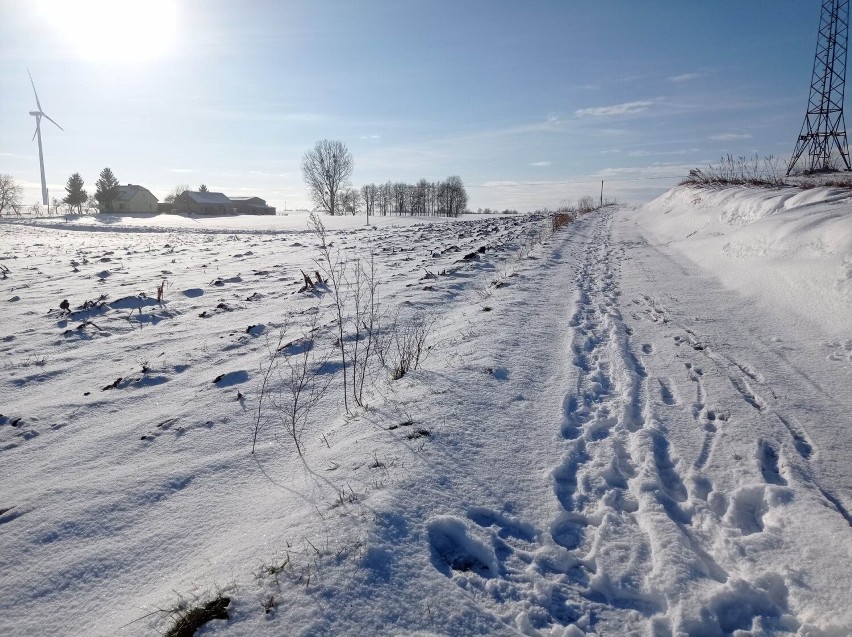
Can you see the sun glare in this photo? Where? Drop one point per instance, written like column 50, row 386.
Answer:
column 115, row 31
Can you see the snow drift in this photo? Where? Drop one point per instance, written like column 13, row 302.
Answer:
column 787, row 248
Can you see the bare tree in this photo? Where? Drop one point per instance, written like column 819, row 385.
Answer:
column 176, row 192
column 400, row 197
column 369, row 194
column 456, row 196
column 419, row 195
column 11, row 193
column 92, row 204
column 350, row 201
column 385, row 198
column 326, row 169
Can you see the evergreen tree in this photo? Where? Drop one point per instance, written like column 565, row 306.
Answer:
column 76, row 195
column 202, row 188
column 107, row 189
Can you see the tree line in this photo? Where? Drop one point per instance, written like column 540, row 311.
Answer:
column 447, row 198
column 327, row 169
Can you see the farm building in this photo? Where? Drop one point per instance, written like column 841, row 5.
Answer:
column 204, row 203
column 132, row 198
column 252, row 206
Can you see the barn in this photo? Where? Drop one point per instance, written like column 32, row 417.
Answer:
column 204, row 203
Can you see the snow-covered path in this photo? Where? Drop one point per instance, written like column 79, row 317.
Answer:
column 688, row 485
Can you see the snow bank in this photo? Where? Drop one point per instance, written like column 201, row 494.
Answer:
column 787, row 248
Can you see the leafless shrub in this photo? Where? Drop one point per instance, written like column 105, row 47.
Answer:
column 301, row 384
column 741, row 170
column 333, row 266
column 292, row 383
column 560, row 219
column 587, row 204
column 838, row 183
column 403, row 345
column 366, row 325
column 266, row 370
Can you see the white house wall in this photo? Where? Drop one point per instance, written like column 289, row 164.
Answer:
column 141, row 201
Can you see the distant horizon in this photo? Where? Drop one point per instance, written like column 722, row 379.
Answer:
column 529, row 104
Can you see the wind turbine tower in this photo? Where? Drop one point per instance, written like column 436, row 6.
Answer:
column 38, row 115
column 824, row 129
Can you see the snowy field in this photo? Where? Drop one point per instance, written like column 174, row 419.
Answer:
column 636, row 424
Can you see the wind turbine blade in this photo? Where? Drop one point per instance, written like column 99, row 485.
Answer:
column 34, row 91
column 35, row 133
column 57, row 125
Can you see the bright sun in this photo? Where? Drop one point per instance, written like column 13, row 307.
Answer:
column 115, row 30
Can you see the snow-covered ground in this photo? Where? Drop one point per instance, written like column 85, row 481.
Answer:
column 639, row 424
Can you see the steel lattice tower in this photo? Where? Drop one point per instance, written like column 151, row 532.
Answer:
column 824, row 129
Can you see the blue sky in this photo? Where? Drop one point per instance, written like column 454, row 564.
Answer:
column 530, row 102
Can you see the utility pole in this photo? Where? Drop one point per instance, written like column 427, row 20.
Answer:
column 824, row 128
column 601, row 193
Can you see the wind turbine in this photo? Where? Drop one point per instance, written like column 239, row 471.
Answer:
column 38, row 115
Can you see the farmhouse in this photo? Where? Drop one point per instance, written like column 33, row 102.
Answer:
column 204, row 203
column 252, row 206
column 132, row 198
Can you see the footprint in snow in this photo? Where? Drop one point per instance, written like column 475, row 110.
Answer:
column 667, row 394
column 749, row 505
column 453, row 549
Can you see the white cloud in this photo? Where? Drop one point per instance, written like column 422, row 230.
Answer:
column 627, row 108
column 685, row 77
column 727, row 137
column 540, row 163
column 370, row 137
column 504, row 183
column 656, row 170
